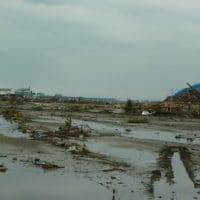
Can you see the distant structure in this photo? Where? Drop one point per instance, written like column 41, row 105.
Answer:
column 87, row 99
column 24, row 92
column 5, row 91
column 27, row 93
column 103, row 100
column 39, row 95
column 186, row 101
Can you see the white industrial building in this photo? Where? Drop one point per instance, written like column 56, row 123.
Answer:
column 5, row 91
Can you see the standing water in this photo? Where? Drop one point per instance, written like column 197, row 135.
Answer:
column 9, row 129
column 183, row 187
column 22, row 183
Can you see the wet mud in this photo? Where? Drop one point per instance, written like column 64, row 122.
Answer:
column 114, row 159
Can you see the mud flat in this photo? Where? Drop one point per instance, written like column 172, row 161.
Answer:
column 118, row 149
column 114, row 160
column 176, row 136
column 23, row 179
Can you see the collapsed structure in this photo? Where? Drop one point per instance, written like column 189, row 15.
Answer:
column 185, row 101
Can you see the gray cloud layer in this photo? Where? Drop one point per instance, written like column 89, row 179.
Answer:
column 129, row 48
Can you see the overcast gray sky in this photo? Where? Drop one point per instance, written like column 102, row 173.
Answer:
column 140, row 49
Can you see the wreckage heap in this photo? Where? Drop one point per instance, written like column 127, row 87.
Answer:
column 186, row 103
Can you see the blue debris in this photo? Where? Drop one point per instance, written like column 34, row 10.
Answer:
column 39, row 136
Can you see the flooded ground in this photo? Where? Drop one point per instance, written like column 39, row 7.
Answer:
column 115, row 160
column 181, row 187
column 129, row 154
column 22, row 183
column 126, row 130
column 10, row 129
column 139, row 133
column 163, row 136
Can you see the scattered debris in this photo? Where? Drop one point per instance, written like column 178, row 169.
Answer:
column 11, row 113
column 46, row 165
column 3, row 168
column 138, row 120
column 60, row 142
column 71, row 131
column 3, row 156
column 155, row 176
column 78, row 150
column 178, row 137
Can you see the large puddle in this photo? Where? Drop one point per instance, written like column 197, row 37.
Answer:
column 22, row 183
column 100, row 127
column 125, row 131
column 165, row 136
column 10, row 129
column 138, row 133
column 129, row 155
column 181, row 189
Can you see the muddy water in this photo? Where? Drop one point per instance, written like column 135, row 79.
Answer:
column 22, row 183
column 126, row 131
column 9, row 129
column 100, row 127
column 139, row 133
column 183, row 187
column 162, row 136
column 130, row 155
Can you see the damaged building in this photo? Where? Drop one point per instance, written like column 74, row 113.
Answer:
column 185, row 101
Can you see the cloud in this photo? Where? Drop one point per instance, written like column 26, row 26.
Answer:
column 47, row 2
column 112, row 21
column 107, row 46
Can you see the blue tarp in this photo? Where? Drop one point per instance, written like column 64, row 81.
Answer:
column 184, row 90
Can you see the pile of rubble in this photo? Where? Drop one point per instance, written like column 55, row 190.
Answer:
column 74, row 148
column 185, row 104
column 188, row 97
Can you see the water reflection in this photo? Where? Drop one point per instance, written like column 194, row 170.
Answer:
column 10, row 129
column 20, row 183
column 139, row 133
column 183, row 187
column 129, row 155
